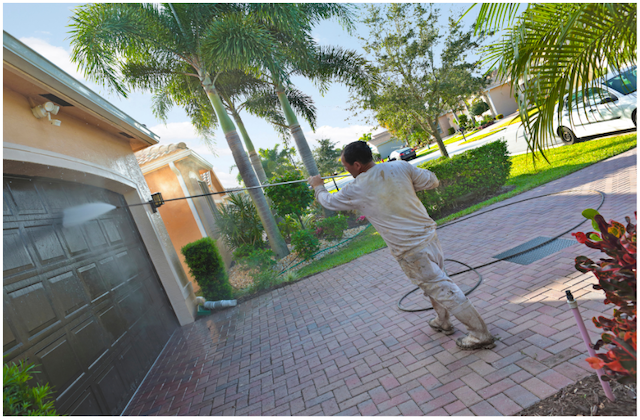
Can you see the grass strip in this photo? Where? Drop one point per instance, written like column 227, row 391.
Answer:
column 525, row 175
column 481, row 136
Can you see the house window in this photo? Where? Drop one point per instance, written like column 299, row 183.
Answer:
column 439, row 128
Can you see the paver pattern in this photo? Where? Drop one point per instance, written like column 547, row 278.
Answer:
column 336, row 344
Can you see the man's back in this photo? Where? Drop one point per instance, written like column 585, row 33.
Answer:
column 386, row 195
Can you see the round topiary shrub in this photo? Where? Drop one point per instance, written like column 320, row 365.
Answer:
column 207, row 267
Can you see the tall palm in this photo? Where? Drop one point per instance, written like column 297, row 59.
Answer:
column 240, row 91
column 554, row 50
column 156, row 47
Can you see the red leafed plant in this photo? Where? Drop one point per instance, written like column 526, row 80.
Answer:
column 617, row 278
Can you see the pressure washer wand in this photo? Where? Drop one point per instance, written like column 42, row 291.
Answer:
column 157, row 200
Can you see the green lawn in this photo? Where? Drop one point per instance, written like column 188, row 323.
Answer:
column 525, row 175
column 481, row 136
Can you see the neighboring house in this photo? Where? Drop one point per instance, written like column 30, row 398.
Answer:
column 93, row 305
column 385, row 143
column 499, row 97
column 177, row 171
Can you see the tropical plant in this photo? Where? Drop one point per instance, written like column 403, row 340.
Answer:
column 617, row 278
column 327, row 157
column 551, row 51
column 413, row 89
column 291, row 199
column 305, row 243
column 258, row 259
column 177, row 50
column 288, row 226
column 238, row 222
column 277, row 162
column 21, row 399
column 207, row 268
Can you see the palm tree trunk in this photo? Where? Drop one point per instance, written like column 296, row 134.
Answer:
column 278, row 245
column 298, row 136
column 296, row 132
column 253, row 155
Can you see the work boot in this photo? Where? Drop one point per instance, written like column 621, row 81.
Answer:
column 479, row 336
column 441, row 322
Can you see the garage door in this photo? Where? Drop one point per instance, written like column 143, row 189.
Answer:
column 84, row 303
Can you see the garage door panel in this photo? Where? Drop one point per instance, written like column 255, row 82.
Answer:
column 48, row 248
column 86, row 405
column 59, row 364
column 16, row 257
column 25, row 196
column 73, row 240
column 88, row 340
column 113, row 390
column 69, row 293
column 94, row 235
column 92, row 280
column 84, row 302
column 33, row 308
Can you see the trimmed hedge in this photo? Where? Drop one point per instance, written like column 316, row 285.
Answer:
column 451, row 130
column 466, row 177
column 207, row 267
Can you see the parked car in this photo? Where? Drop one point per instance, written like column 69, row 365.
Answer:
column 405, row 154
column 609, row 105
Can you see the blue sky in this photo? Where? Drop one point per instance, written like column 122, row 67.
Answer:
column 44, row 28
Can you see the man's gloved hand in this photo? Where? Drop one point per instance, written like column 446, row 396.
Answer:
column 314, row 181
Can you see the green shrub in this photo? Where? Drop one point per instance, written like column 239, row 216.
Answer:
column 466, row 177
column 239, row 223
column 20, row 399
column 499, row 117
column 305, row 243
column 288, row 226
column 451, row 130
column 290, row 199
column 258, row 259
column 265, row 279
column 333, row 227
column 242, row 251
column 207, row 267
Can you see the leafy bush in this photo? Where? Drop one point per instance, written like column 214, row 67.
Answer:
column 259, row 259
column 242, row 251
column 207, row 267
column 238, row 222
column 305, row 243
column 466, row 177
column 288, row 226
column 20, row 399
column 264, row 279
column 463, row 120
column 617, row 278
column 499, row 117
column 333, row 227
column 479, row 107
column 451, row 130
column 291, row 199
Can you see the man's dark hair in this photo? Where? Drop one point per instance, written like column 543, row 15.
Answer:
column 358, row 151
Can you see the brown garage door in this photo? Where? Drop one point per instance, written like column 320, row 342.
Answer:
column 84, row 302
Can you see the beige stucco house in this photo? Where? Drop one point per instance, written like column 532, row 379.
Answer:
column 177, row 171
column 93, row 305
column 385, row 143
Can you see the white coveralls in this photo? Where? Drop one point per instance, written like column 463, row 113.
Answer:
column 386, row 195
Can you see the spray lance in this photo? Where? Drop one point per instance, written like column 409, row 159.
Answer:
column 77, row 215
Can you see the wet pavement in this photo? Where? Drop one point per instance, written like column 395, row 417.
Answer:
column 336, row 344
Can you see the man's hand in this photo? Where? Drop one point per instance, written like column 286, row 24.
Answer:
column 314, row 181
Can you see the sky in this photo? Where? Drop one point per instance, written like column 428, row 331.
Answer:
column 44, row 28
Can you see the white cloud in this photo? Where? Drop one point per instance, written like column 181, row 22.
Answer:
column 340, row 135
column 57, row 55
column 177, row 132
column 228, row 180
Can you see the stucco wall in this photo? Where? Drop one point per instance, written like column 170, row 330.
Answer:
column 502, row 101
column 81, row 152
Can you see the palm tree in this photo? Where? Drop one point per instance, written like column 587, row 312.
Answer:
column 260, row 100
column 155, row 47
column 551, row 51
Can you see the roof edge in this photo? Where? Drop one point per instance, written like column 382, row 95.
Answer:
column 27, row 60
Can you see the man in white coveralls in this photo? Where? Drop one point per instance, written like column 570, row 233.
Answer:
column 386, row 195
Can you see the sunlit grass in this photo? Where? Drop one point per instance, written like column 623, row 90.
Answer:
column 481, row 136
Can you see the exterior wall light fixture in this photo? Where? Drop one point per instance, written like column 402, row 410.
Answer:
column 46, row 110
column 156, row 201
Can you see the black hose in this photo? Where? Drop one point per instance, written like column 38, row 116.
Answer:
column 474, row 269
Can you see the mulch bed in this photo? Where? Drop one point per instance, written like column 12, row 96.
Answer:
column 586, row 398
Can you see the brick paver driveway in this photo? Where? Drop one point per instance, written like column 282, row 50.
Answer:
column 335, row 343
